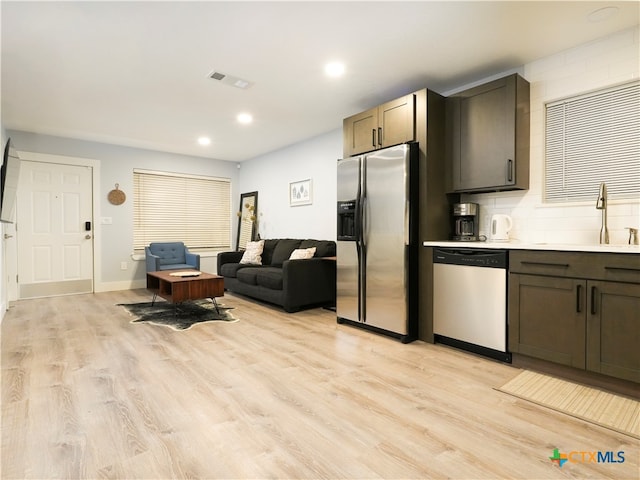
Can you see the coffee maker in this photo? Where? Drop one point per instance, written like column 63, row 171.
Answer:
column 465, row 222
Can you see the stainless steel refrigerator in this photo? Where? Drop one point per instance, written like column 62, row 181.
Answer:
column 377, row 241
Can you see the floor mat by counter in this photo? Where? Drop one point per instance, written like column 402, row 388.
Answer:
column 608, row 410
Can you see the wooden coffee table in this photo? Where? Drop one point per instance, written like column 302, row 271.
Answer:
column 178, row 289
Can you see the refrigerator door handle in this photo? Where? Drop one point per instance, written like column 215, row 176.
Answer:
column 363, row 224
column 363, row 258
column 407, row 209
column 363, row 235
column 363, row 262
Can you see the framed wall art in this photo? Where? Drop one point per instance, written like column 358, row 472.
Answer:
column 300, row 193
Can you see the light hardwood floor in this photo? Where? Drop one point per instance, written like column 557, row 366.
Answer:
column 87, row 394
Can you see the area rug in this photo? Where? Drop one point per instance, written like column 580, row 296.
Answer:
column 602, row 408
column 179, row 317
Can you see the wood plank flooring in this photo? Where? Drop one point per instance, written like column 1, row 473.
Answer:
column 87, row 394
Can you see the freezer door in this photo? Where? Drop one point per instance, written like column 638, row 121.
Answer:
column 348, row 286
column 385, row 201
column 349, row 178
column 347, row 282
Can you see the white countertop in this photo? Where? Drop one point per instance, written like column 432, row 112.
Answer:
column 516, row 245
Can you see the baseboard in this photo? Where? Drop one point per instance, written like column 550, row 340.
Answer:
column 116, row 286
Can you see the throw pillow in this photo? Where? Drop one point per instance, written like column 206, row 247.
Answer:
column 324, row 248
column 302, row 253
column 253, row 253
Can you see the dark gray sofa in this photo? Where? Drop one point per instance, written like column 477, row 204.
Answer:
column 292, row 284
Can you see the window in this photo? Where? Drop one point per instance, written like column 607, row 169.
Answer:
column 591, row 139
column 171, row 207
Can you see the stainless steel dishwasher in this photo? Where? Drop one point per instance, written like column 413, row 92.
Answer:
column 470, row 300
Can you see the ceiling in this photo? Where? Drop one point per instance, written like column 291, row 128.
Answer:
column 137, row 73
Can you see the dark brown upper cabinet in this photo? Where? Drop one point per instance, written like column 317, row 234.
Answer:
column 488, row 137
column 391, row 123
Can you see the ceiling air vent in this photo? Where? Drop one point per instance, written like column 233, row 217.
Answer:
column 230, row 80
column 217, row 75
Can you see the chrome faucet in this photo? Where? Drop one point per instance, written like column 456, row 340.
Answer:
column 601, row 204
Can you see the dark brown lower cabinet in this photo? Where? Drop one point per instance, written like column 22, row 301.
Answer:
column 586, row 324
column 544, row 321
column 613, row 329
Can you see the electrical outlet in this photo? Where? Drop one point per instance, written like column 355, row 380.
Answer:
column 123, row 265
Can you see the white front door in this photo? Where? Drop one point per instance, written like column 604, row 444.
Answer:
column 55, row 230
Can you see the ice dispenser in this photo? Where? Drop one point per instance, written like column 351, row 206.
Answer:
column 347, row 220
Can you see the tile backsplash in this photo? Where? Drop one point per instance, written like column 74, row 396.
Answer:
column 536, row 222
column 609, row 61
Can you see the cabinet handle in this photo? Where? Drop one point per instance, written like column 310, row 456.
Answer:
column 373, row 137
column 578, row 298
column 594, row 291
column 629, row 269
column 545, row 264
column 509, row 170
column 380, row 136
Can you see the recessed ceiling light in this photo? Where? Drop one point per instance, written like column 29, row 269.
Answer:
column 334, row 69
column 241, row 83
column 602, row 14
column 245, row 118
column 204, row 141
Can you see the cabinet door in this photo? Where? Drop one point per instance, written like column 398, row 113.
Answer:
column 360, row 133
column 397, row 122
column 613, row 329
column 547, row 318
column 487, row 138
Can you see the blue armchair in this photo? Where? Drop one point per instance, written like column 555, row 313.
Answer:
column 170, row 256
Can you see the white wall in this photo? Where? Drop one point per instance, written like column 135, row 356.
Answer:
column 609, row 61
column 271, row 174
column 116, row 166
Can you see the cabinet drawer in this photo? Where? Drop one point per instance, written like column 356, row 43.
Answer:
column 619, row 267
column 557, row 264
column 598, row 266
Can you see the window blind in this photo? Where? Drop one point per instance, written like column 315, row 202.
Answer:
column 591, row 139
column 171, row 207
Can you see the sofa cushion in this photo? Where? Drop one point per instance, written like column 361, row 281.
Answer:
column 302, row 253
column 324, row 248
column 169, row 252
column 253, row 253
column 248, row 275
column 267, row 252
column 176, row 266
column 283, row 251
column 231, row 269
column 270, row 277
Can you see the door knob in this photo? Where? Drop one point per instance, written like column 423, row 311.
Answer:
column 7, row 236
column 87, row 236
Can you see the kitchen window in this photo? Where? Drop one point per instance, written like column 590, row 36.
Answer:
column 171, row 207
column 590, row 139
